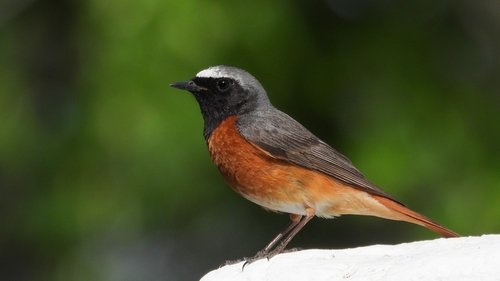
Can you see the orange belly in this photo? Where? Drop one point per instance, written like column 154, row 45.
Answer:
column 277, row 184
column 253, row 174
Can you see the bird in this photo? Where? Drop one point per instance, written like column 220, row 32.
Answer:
column 272, row 160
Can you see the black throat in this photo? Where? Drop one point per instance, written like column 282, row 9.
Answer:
column 217, row 105
column 213, row 117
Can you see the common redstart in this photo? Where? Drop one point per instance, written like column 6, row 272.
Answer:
column 272, row 160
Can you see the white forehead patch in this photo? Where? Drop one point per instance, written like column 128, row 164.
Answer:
column 222, row 72
column 212, row 72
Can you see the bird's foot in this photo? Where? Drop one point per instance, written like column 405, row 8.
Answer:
column 230, row 262
column 267, row 255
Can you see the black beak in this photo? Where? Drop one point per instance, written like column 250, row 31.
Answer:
column 188, row 86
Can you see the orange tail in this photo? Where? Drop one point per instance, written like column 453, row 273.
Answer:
column 414, row 217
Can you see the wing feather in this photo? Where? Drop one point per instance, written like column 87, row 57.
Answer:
column 284, row 138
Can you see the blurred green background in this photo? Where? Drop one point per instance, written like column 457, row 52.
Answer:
column 104, row 173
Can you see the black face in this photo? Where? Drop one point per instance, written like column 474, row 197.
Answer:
column 213, row 92
column 218, row 98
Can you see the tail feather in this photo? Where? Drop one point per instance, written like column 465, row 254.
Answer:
column 416, row 218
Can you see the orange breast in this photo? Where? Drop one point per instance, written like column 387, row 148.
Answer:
column 279, row 185
column 253, row 173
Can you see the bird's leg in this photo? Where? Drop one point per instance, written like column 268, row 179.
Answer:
column 285, row 236
column 278, row 249
column 294, row 221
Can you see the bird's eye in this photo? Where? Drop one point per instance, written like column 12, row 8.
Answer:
column 223, row 84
